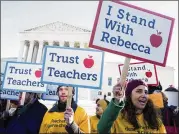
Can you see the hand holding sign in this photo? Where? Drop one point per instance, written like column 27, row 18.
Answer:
column 118, row 90
column 118, row 93
column 68, row 115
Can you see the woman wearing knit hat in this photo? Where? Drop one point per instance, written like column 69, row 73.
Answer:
column 101, row 106
column 133, row 114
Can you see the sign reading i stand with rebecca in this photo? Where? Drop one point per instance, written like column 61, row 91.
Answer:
column 132, row 32
column 141, row 70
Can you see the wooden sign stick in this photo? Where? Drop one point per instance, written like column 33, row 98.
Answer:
column 8, row 105
column 69, row 98
column 124, row 71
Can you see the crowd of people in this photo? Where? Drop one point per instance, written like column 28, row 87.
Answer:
column 129, row 111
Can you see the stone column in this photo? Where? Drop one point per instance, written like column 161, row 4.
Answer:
column 44, row 44
column 29, row 57
column 21, row 50
column 26, row 51
column 35, row 51
column 39, row 54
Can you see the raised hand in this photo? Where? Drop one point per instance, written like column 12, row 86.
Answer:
column 118, row 92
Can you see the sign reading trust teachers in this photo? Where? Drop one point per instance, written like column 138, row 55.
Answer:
column 23, row 76
column 133, row 32
column 73, row 67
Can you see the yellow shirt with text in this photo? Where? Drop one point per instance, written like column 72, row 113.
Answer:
column 53, row 122
column 123, row 126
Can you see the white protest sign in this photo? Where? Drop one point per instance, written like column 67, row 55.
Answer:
column 141, row 70
column 8, row 94
column 172, row 98
column 73, row 67
column 51, row 93
column 24, row 77
column 133, row 32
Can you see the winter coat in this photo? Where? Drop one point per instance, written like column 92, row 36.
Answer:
column 112, row 122
column 27, row 120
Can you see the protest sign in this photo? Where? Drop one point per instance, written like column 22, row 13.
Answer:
column 142, row 70
column 73, row 67
column 131, row 31
column 8, row 94
column 172, row 98
column 23, row 76
column 51, row 93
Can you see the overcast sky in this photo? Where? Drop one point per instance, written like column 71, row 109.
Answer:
column 17, row 16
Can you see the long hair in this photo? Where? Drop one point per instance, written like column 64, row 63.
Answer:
column 152, row 115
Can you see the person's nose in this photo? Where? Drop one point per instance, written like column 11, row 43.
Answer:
column 144, row 94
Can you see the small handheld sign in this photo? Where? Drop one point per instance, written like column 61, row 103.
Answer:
column 74, row 67
column 24, row 77
column 51, row 93
column 141, row 70
column 8, row 94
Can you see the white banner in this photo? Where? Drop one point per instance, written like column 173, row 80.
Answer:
column 172, row 98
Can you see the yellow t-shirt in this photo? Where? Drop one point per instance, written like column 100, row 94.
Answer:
column 93, row 123
column 123, row 126
column 54, row 122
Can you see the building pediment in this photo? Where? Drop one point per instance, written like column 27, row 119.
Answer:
column 57, row 27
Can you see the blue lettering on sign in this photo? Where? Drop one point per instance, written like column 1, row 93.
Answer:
column 20, row 71
column 122, row 14
column 9, row 92
column 121, row 43
column 51, row 92
column 126, row 29
column 64, row 59
column 71, row 74
column 54, row 57
column 117, row 26
column 26, row 82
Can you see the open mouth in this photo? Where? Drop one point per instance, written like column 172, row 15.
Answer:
column 142, row 102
